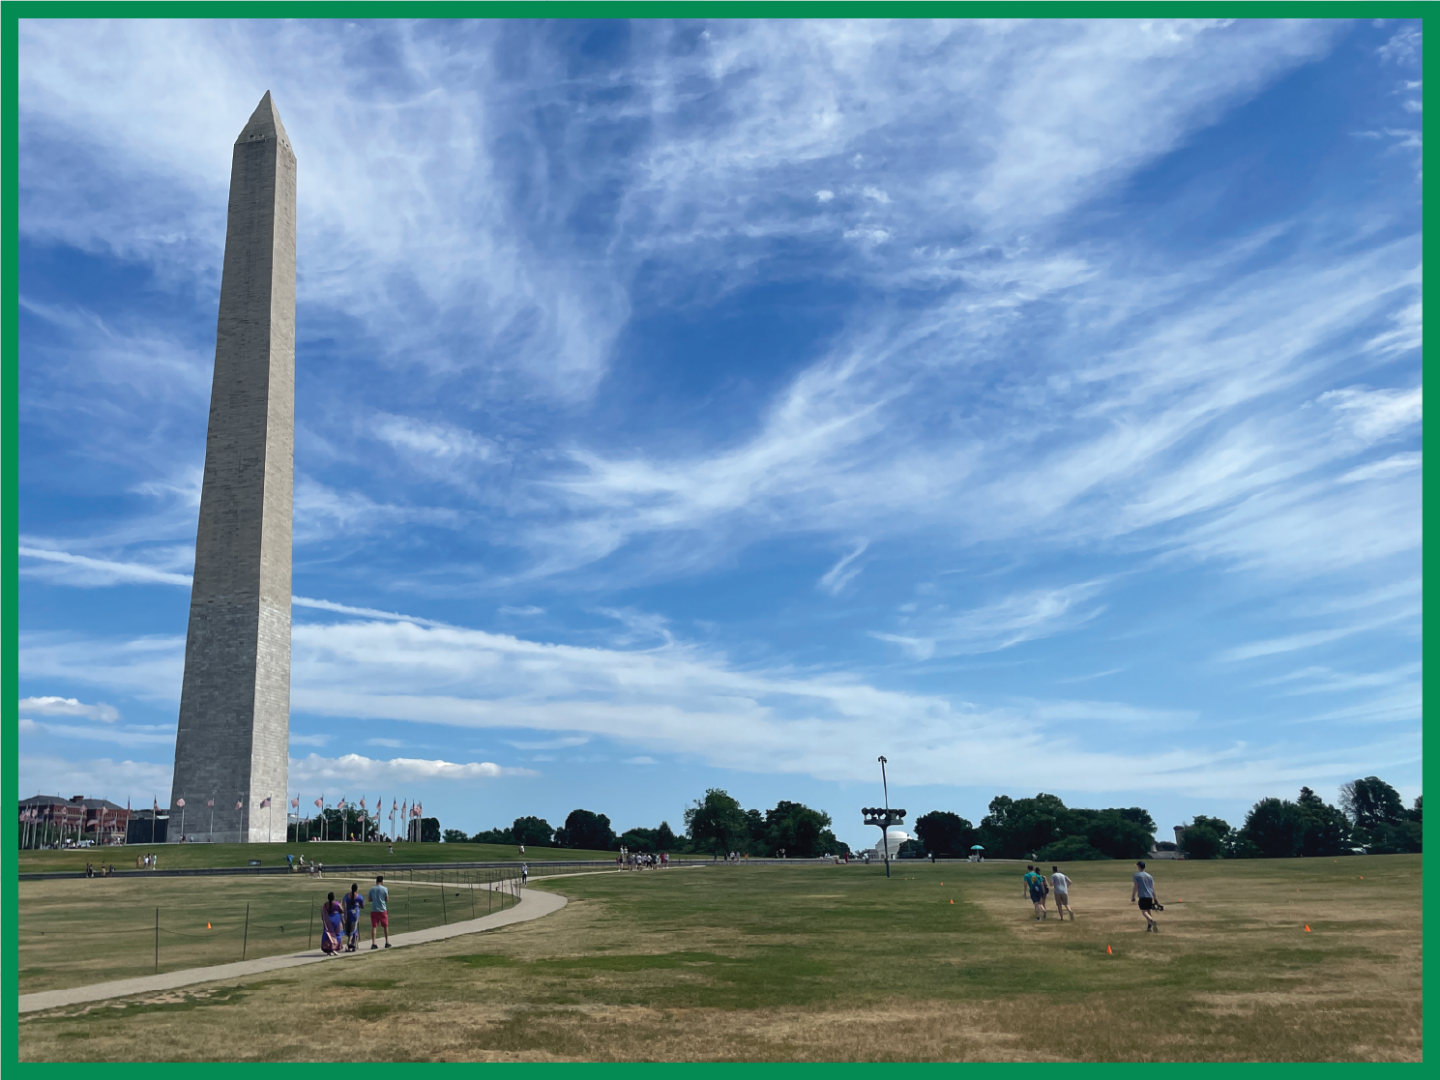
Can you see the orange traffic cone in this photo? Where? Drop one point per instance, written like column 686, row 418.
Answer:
column 1109, row 950
column 952, row 901
column 1307, row 928
column 207, row 926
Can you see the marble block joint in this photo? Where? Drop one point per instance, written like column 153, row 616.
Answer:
column 234, row 734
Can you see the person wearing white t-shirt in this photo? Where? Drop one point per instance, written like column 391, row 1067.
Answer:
column 1060, row 886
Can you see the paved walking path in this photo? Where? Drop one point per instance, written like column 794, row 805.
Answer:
column 534, row 904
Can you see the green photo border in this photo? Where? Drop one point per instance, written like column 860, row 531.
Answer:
column 10, row 16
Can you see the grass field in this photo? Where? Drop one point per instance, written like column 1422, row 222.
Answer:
column 76, row 932
column 825, row 963
column 204, row 856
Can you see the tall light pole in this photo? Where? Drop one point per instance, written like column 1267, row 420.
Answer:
column 884, row 817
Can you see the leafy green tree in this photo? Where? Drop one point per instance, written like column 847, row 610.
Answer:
column 797, row 830
column 1370, row 803
column 1219, row 826
column 1116, row 833
column 1205, row 838
column 1415, row 813
column 717, row 823
column 637, row 840
column 665, row 838
column 1275, row 827
column 587, row 830
column 756, row 840
column 944, row 833
column 1015, row 828
column 1070, row 849
column 456, row 836
column 1326, row 831
column 430, row 830
column 1201, row 842
column 532, row 832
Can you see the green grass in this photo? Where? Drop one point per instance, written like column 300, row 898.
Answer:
column 822, row 963
column 76, row 932
column 206, row 856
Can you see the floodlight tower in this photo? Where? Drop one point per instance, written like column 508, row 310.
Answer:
column 884, row 816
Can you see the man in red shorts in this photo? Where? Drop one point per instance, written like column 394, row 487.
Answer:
column 379, row 897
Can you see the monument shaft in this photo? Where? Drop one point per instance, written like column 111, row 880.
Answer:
column 232, row 745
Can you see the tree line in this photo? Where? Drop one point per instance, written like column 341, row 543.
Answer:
column 715, row 824
column 1371, row 817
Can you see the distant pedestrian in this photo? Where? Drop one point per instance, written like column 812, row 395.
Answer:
column 1061, row 884
column 379, row 911
column 1035, row 889
column 354, row 903
column 1143, row 890
column 524, row 874
column 392, row 849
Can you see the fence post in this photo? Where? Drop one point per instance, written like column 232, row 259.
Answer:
column 157, row 939
column 310, row 937
column 472, row 899
column 245, row 941
column 444, row 918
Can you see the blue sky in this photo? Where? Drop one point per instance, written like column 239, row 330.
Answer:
column 726, row 404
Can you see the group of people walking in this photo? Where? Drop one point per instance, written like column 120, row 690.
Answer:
column 642, row 860
column 1039, row 890
column 341, row 929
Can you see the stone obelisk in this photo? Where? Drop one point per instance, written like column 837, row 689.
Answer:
column 233, row 741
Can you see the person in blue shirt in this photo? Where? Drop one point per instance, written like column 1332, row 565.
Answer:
column 1035, row 889
column 379, row 913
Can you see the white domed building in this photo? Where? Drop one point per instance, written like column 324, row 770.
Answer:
column 895, row 837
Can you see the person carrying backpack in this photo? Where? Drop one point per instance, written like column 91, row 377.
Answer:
column 1035, row 888
column 332, row 914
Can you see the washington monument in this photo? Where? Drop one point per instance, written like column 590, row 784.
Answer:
column 232, row 747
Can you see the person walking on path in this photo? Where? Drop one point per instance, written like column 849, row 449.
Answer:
column 332, row 914
column 354, row 904
column 379, row 912
column 524, row 874
column 1143, row 890
column 1035, row 889
column 1061, row 885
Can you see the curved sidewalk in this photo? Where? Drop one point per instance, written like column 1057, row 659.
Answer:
column 533, row 905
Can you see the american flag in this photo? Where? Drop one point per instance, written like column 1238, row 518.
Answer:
column 319, row 802
column 179, row 802
column 238, row 803
column 263, row 803
column 295, row 803
column 210, row 802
